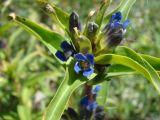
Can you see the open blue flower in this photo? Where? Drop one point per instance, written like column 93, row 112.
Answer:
column 115, row 21
column 89, row 105
column 68, row 51
column 84, row 64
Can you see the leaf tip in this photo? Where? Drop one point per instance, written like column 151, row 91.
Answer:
column 12, row 16
column 46, row 6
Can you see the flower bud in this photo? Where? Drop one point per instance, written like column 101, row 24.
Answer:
column 99, row 113
column 92, row 31
column 114, row 36
column 114, row 31
column 74, row 22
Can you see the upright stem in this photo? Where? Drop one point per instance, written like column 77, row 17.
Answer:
column 60, row 100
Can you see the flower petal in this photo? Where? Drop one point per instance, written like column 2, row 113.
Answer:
column 84, row 101
column 96, row 89
column 92, row 106
column 118, row 16
column 88, row 72
column 61, row 56
column 90, row 58
column 125, row 24
column 77, row 68
column 66, row 46
column 80, row 56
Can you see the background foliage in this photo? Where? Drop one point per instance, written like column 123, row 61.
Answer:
column 29, row 76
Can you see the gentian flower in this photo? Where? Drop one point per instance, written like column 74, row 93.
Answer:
column 115, row 21
column 68, row 51
column 90, row 104
column 84, row 64
column 96, row 89
column 114, row 31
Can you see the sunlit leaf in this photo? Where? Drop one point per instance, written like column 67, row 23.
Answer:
column 153, row 61
column 126, row 61
column 100, row 13
column 57, row 105
column 58, row 15
column 103, row 94
column 51, row 39
column 155, row 79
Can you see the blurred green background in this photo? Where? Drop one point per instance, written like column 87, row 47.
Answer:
column 29, row 74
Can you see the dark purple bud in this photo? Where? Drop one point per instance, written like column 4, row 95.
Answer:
column 92, row 30
column 72, row 113
column 99, row 113
column 114, row 31
column 74, row 22
column 114, row 36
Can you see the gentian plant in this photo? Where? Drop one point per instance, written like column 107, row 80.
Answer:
column 90, row 54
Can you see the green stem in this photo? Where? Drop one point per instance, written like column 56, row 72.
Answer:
column 60, row 100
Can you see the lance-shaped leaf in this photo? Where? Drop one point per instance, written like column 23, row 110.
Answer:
column 133, row 55
column 126, row 61
column 100, row 13
column 103, row 93
column 58, row 15
column 153, row 61
column 59, row 101
column 50, row 39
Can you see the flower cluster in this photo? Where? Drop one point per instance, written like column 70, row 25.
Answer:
column 88, row 108
column 88, row 101
column 81, row 49
column 88, row 104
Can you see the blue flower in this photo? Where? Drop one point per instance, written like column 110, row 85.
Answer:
column 84, row 64
column 115, row 21
column 89, row 105
column 114, row 31
column 96, row 89
column 68, row 51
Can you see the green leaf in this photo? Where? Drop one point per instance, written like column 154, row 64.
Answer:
column 121, row 68
column 153, row 61
column 58, row 15
column 23, row 112
column 115, row 74
column 84, row 43
column 125, row 7
column 126, row 61
column 5, row 27
column 22, row 63
column 102, row 95
column 51, row 39
column 59, row 101
column 100, row 13
column 35, row 78
column 155, row 79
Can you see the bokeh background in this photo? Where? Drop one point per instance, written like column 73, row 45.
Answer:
column 30, row 76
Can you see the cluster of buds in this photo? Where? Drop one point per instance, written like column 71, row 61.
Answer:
column 88, row 108
column 91, row 42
